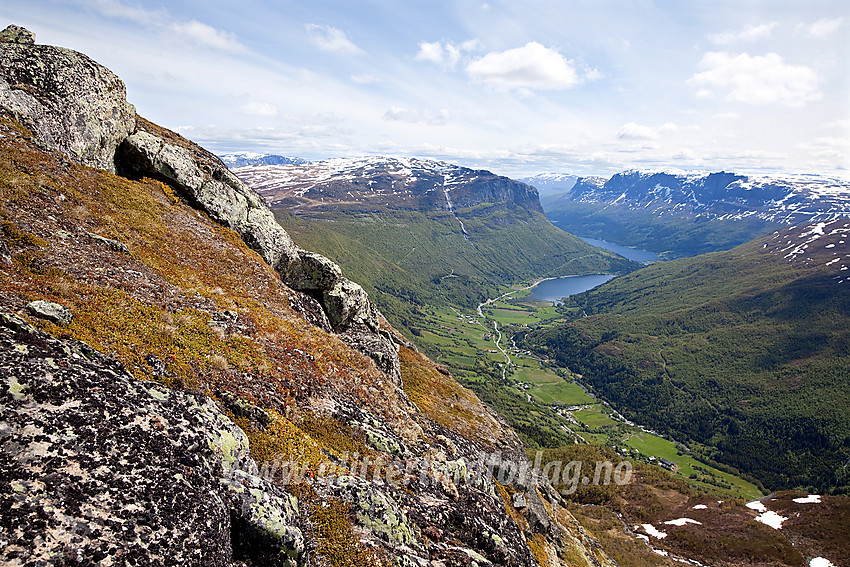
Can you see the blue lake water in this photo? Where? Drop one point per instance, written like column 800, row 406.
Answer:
column 634, row 254
column 558, row 288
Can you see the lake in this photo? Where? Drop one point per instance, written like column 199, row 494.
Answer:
column 634, row 254
column 558, row 288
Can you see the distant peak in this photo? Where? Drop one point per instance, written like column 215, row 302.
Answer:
column 251, row 158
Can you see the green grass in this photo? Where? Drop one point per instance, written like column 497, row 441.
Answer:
column 409, row 260
column 536, row 422
column 724, row 483
column 593, row 418
column 536, row 375
column 512, row 316
column 565, row 393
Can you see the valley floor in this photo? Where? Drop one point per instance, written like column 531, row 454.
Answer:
column 478, row 347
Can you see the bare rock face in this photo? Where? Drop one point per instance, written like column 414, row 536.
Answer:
column 97, row 464
column 69, row 102
column 205, row 181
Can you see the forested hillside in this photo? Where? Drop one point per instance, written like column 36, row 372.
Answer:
column 745, row 354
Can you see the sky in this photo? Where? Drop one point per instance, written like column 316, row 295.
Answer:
column 521, row 87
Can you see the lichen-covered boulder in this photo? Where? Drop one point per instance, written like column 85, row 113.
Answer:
column 69, row 102
column 207, row 183
column 377, row 511
column 99, row 467
column 50, row 311
column 17, row 34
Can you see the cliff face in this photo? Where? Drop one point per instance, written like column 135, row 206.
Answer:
column 182, row 385
column 379, row 183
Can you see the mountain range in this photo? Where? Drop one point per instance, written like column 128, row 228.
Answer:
column 688, row 213
column 251, row 158
column 419, row 232
column 551, row 185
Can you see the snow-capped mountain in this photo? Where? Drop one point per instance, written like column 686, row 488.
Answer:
column 781, row 199
column 551, row 183
column 249, row 158
column 817, row 244
column 379, row 182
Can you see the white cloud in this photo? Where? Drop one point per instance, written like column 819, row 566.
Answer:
column 365, row 79
column 258, row 109
column 194, row 31
column 842, row 123
column 532, row 66
column 749, row 33
column 399, row 114
column 435, row 52
column 756, row 79
column 445, row 54
column 668, row 127
column 207, row 36
column 635, row 131
column 115, row 9
column 329, row 38
column 822, row 27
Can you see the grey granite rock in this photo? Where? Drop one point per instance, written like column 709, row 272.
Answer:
column 50, row 311
column 17, row 34
column 5, row 254
column 68, row 102
column 96, row 464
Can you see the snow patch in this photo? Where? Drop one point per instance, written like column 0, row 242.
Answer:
column 700, row 507
column 820, row 562
column 757, row 505
column 772, row 519
column 682, row 522
column 810, row 499
column 650, row 529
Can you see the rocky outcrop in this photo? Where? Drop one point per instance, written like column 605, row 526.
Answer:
column 69, row 102
column 96, row 464
column 17, row 34
column 203, row 180
column 78, row 107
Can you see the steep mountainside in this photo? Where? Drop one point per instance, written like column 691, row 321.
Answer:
column 418, row 232
column 182, row 385
column 684, row 214
column 744, row 353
